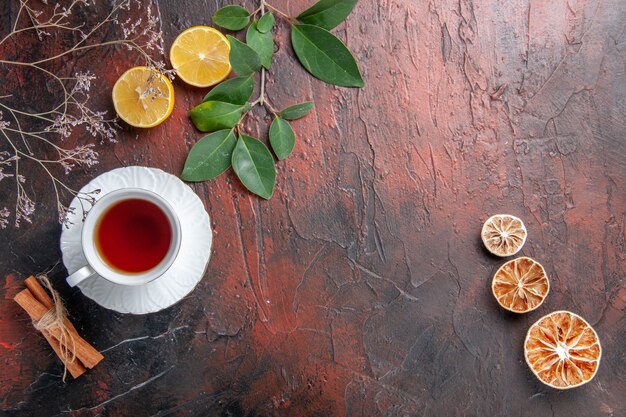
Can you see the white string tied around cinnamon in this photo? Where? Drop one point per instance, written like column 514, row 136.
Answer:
column 56, row 317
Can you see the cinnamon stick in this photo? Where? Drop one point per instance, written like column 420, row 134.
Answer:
column 40, row 293
column 75, row 368
column 83, row 350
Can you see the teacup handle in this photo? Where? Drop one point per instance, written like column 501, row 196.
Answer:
column 80, row 275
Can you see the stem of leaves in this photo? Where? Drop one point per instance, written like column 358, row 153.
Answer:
column 278, row 12
column 262, row 100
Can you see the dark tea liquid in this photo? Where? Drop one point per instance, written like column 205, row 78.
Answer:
column 133, row 235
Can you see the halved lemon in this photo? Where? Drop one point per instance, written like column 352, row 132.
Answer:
column 503, row 234
column 520, row 285
column 562, row 350
column 200, row 56
column 143, row 97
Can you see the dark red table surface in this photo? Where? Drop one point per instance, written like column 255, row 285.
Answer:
column 362, row 287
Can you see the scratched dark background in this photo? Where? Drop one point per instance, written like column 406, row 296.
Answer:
column 362, row 287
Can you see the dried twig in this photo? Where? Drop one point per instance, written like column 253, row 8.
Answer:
column 72, row 111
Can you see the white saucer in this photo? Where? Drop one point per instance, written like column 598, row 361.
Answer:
column 186, row 271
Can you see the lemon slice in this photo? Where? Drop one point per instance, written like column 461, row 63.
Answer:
column 520, row 285
column 200, row 56
column 142, row 97
column 562, row 350
column 503, row 234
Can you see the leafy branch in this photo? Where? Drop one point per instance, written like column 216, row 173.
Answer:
column 224, row 109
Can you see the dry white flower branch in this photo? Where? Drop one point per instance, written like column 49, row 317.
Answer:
column 71, row 114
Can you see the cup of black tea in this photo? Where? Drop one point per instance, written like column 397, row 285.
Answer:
column 131, row 236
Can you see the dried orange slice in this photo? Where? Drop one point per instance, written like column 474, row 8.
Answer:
column 200, row 56
column 562, row 350
column 503, row 234
column 143, row 97
column 520, row 285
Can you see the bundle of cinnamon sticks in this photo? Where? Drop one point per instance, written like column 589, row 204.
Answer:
column 75, row 353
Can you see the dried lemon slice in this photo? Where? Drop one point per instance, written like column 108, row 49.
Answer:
column 503, row 234
column 142, row 97
column 562, row 350
column 200, row 56
column 520, row 285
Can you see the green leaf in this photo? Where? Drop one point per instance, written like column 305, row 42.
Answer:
column 210, row 156
column 215, row 115
column 325, row 56
column 266, row 22
column 243, row 59
column 254, row 165
column 232, row 17
column 234, row 91
column 262, row 43
column 327, row 14
column 297, row 111
column 282, row 138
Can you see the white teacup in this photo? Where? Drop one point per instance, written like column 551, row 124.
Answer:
column 97, row 265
